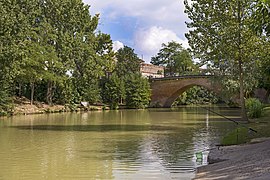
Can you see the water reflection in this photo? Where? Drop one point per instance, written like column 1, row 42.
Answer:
column 129, row 144
column 98, row 128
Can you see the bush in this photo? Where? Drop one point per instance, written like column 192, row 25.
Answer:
column 254, row 108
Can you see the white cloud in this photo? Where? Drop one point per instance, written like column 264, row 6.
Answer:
column 168, row 14
column 148, row 41
column 117, row 45
column 157, row 22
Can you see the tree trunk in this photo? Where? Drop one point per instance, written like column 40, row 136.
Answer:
column 49, row 92
column 242, row 92
column 20, row 90
column 32, row 86
column 240, row 64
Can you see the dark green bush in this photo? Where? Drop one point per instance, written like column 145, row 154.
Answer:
column 254, row 108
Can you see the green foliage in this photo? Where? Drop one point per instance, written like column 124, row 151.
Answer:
column 264, row 75
column 175, row 59
column 127, row 62
column 137, row 91
column 125, row 85
column 196, row 95
column 5, row 99
column 261, row 14
column 53, row 47
column 254, row 108
column 114, row 91
column 221, row 36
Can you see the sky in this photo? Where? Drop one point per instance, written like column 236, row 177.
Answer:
column 142, row 25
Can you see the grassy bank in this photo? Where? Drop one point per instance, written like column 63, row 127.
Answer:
column 244, row 133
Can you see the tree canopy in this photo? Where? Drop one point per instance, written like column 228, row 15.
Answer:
column 126, row 85
column 261, row 13
column 52, row 44
column 128, row 62
column 221, row 35
column 175, row 59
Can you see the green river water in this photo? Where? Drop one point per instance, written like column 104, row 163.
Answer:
column 123, row 144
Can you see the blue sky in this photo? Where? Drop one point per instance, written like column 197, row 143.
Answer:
column 141, row 24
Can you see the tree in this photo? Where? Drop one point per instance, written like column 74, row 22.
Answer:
column 264, row 76
column 261, row 14
column 49, row 44
column 81, row 52
column 5, row 99
column 127, row 62
column 137, row 91
column 72, row 27
column 17, row 20
column 221, row 36
column 175, row 59
column 8, row 52
column 114, row 91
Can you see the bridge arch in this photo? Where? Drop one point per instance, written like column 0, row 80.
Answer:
column 166, row 90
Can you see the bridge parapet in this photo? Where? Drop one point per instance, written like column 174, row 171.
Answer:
column 181, row 77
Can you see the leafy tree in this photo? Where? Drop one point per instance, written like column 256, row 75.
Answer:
column 52, row 44
column 16, row 19
column 81, row 53
column 104, row 50
column 5, row 99
column 264, row 75
column 73, row 28
column 175, row 59
column 7, row 53
column 126, row 85
column 127, row 62
column 262, row 16
column 114, row 91
column 221, row 35
column 137, row 91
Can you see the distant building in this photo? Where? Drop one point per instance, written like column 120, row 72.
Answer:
column 150, row 70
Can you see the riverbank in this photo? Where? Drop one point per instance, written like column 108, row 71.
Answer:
column 245, row 161
column 249, row 161
column 23, row 106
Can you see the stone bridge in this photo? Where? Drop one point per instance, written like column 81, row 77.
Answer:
column 166, row 90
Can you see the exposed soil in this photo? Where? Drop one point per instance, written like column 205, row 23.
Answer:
column 23, row 106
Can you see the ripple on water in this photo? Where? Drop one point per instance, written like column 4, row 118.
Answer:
column 106, row 145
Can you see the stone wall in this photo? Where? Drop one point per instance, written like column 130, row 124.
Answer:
column 150, row 70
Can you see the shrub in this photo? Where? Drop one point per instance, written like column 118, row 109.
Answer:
column 254, row 108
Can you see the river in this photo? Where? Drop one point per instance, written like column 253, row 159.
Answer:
column 123, row 144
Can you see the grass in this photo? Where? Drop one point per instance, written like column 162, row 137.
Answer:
column 243, row 134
